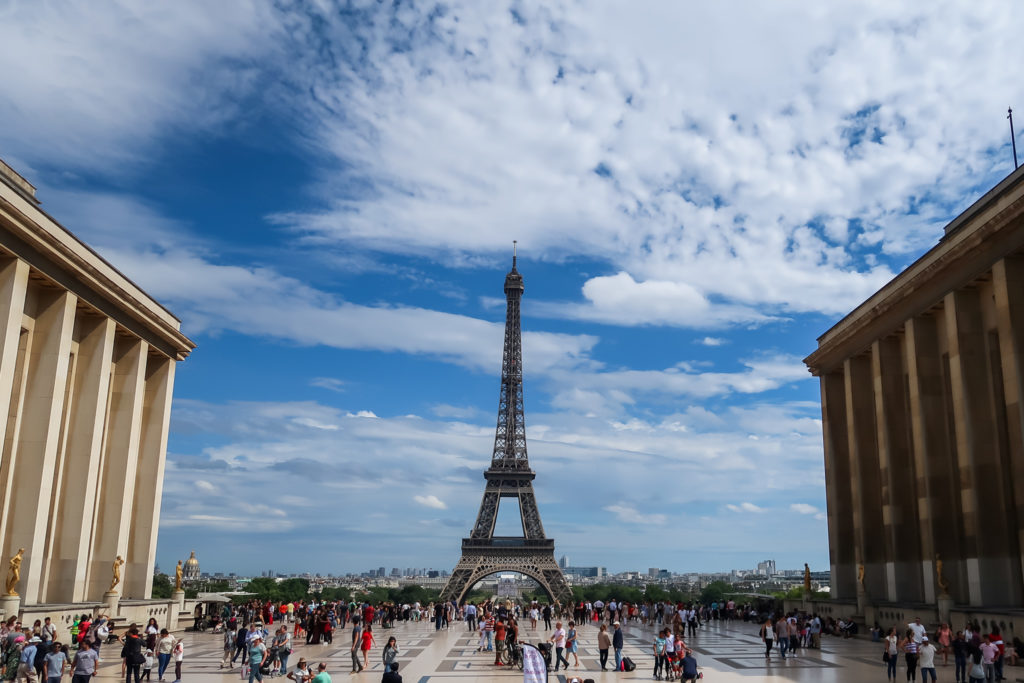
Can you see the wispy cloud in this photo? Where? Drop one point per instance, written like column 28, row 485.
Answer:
column 631, row 516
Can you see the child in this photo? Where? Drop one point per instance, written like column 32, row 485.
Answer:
column 148, row 664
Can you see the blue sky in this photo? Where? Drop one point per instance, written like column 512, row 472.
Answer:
column 327, row 194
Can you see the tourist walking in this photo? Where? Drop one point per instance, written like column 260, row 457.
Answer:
column 56, row 662
column 926, row 659
column 390, row 654
column 367, row 643
column 892, row 654
column 604, row 643
column 768, row 636
column 27, row 661
column 558, row 638
column 133, row 657
column 570, row 644
column 165, row 646
column 229, row 647
column 179, row 656
column 85, row 663
column 960, row 657
column 258, row 655
column 357, row 640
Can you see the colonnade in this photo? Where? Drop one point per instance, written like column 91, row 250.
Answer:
column 924, row 449
column 87, row 407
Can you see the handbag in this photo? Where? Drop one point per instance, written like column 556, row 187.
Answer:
column 885, row 656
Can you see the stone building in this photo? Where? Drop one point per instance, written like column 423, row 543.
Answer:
column 922, row 393
column 87, row 365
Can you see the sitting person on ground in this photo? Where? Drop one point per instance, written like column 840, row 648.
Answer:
column 689, row 667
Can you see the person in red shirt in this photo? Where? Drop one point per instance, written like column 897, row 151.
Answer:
column 368, row 615
column 997, row 664
column 499, row 641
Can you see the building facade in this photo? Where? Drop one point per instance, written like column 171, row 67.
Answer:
column 87, row 364
column 922, row 393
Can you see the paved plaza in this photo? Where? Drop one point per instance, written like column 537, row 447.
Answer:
column 725, row 652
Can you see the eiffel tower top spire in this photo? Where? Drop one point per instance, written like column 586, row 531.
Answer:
column 510, row 435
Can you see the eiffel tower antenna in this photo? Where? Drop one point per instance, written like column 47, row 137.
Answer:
column 509, row 476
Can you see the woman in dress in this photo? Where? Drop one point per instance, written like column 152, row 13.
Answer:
column 367, row 643
column 570, row 643
column 945, row 638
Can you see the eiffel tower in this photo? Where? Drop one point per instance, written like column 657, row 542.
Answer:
column 509, row 476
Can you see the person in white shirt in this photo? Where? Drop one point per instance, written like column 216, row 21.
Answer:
column 926, row 658
column 558, row 638
column 919, row 630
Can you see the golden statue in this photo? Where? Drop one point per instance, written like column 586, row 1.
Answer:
column 860, row 575
column 117, row 574
column 939, row 578
column 14, row 572
column 177, row 577
column 807, row 578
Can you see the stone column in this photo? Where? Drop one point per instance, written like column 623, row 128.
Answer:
column 992, row 560
column 121, row 455
column 70, row 557
column 39, row 436
column 837, row 478
column 13, row 285
column 868, row 527
column 156, row 415
column 896, row 468
column 937, row 497
column 1008, row 290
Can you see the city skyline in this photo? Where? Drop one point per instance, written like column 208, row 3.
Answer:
column 328, row 197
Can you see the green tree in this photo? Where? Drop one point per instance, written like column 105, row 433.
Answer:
column 715, row 591
column 161, row 587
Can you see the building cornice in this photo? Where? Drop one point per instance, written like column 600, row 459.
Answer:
column 975, row 240
column 59, row 255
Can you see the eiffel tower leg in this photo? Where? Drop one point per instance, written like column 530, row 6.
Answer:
column 477, row 565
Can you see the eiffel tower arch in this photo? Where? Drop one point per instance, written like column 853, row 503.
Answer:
column 509, row 476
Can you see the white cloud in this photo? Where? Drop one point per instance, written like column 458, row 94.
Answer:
column 431, row 501
column 745, row 507
column 712, row 341
column 329, row 383
column 205, row 486
column 101, row 83
column 631, row 516
column 804, row 508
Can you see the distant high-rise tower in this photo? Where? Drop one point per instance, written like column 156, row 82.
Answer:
column 564, row 562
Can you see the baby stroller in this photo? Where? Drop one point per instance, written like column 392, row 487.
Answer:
column 545, row 652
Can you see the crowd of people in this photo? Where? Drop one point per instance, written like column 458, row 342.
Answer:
column 260, row 635
column 977, row 656
column 35, row 653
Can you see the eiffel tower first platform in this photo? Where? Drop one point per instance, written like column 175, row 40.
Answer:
column 509, row 476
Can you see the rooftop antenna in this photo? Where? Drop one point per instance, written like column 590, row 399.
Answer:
column 1013, row 140
column 514, row 242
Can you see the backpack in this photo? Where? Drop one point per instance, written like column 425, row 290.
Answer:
column 628, row 664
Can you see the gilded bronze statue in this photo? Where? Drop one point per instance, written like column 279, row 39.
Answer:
column 116, row 579
column 14, row 572
column 177, row 577
column 807, row 578
column 939, row 578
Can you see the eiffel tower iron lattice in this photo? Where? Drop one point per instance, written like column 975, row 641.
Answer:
column 509, row 476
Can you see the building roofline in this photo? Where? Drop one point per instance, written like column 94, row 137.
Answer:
column 966, row 242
